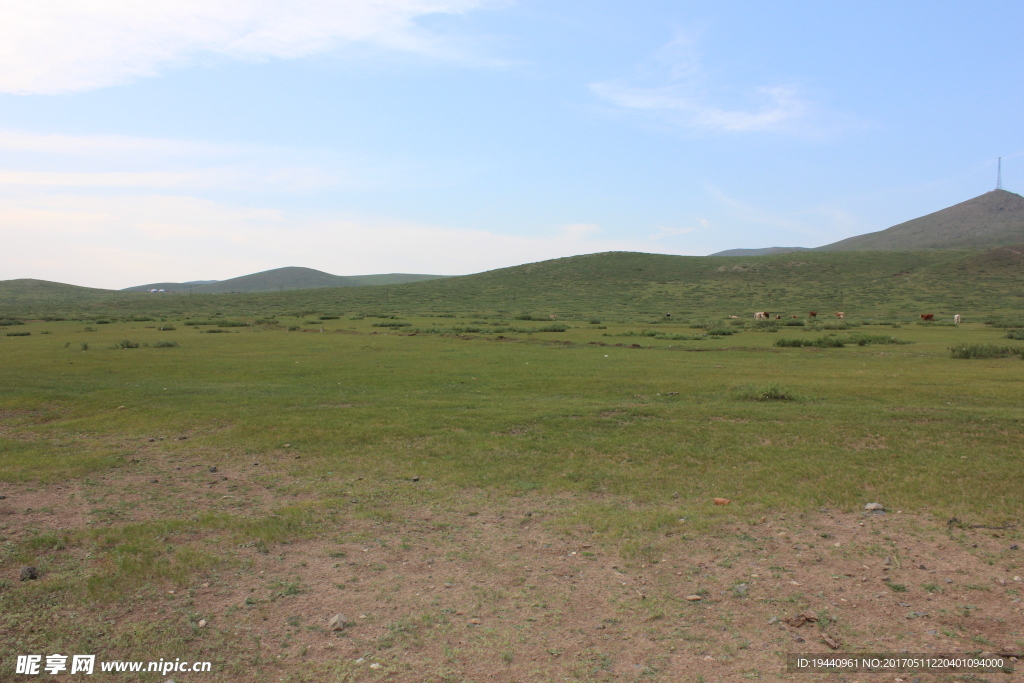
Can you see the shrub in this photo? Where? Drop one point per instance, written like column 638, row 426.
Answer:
column 215, row 330
column 126, row 344
column 89, row 329
column 18, row 334
column 595, row 321
column 7, row 322
column 292, row 328
column 826, row 342
column 967, row 351
column 524, row 316
column 167, row 328
column 721, row 332
column 769, row 392
column 232, row 323
column 329, row 317
column 85, row 346
column 1015, row 334
column 865, row 339
column 392, row 324
column 164, row 344
column 102, row 322
column 262, row 321
column 558, row 327
column 359, row 317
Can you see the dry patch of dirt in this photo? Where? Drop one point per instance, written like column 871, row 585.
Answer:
column 504, row 591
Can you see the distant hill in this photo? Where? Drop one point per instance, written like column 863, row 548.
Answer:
column 280, row 279
column 612, row 285
column 767, row 251
column 994, row 219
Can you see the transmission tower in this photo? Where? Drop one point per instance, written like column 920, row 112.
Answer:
column 999, row 174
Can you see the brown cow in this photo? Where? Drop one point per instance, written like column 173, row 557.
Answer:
column 840, row 315
column 927, row 316
column 778, row 317
column 813, row 314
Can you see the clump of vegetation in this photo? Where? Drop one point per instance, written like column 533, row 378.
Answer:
column 392, row 323
column 85, row 346
column 595, row 321
column 232, row 323
column 329, row 317
column 967, row 351
column 216, row 330
column 1015, row 334
column 102, row 322
column 865, row 339
column 18, row 334
column 768, row 392
column 292, row 328
column 262, row 321
column 126, row 344
column 165, row 344
column 7, row 322
column 167, row 328
column 826, row 342
column 557, row 327
column 360, row 317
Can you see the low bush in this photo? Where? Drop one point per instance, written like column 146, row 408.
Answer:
column 595, row 321
column 524, row 316
column 232, row 323
column 165, row 344
column 968, row 351
column 215, row 330
column 102, row 322
column 394, row 323
column 769, row 392
column 167, row 328
column 18, row 334
column 1015, row 334
column 558, row 327
column 7, row 322
column 126, row 344
column 329, row 317
column 865, row 339
column 826, row 342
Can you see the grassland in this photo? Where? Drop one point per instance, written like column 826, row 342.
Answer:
column 420, row 471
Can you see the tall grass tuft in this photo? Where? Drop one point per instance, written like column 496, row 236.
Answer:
column 767, row 392
column 165, row 344
column 125, row 344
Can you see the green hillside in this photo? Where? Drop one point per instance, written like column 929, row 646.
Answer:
column 280, row 279
column 623, row 284
column 994, row 219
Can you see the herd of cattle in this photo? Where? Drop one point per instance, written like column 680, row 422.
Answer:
column 765, row 315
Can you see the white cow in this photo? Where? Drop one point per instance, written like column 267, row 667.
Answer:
column 956, row 319
column 762, row 315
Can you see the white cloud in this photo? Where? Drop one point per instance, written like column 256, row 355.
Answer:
column 682, row 96
column 121, row 241
column 104, row 145
column 60, row 46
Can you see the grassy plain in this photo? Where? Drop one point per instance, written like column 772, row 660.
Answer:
column 494, row 441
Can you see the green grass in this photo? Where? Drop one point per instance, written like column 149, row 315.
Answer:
column 567, row 414
column 967, row 351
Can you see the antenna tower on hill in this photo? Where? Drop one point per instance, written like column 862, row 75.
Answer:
column 999, row 174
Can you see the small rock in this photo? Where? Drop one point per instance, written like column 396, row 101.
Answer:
column 801, row 619
column 798, row 639
column 3, row 497
column 202, row 623
column 741, row 589
column 676, row 495
column 355, row 500
column 1013, row 547
column 830, row 641
column 338, row 622
column 206, row 585
column 29, row 574
column 287, row 445
column 152, row 440
column 708, row 658
column 874, row 506
column 376, row 665
column 154, row 481
column 415, row 478
column 1017, row 578
column 182, row 438
column 773, row 620
column 475, row 621
column 120, row 407
column 694, row 598
column 213, row 469
column 722, row 501
column 1001, row 581
column 923, row 567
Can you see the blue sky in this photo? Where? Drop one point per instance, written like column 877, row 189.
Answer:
column 205, row 139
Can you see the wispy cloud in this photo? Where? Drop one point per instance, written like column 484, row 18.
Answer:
column 61, row 46
column 674, row 88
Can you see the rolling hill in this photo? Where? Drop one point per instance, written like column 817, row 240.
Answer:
column 992, row 220
column 623, row 285
column 280, row 279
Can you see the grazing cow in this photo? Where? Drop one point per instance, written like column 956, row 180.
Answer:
column 778, row 317
column 927, row 316
column 794, row 317
column 762, row 315
column 813, row 314
column 956, row 319
column 734, row 316
column 840, row 315
column 668, row 315
column 553, row 317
